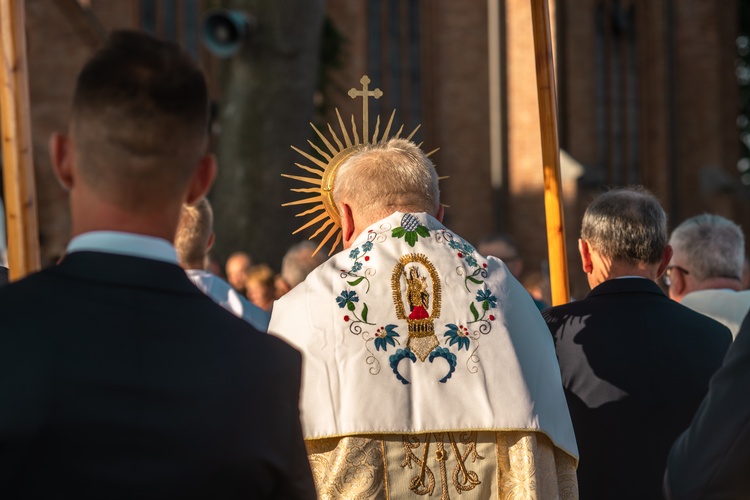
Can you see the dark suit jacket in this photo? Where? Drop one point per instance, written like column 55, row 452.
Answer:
column 711, row 460
column 635, row 366
column 120, row 379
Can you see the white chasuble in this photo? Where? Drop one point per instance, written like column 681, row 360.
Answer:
column 420, row 357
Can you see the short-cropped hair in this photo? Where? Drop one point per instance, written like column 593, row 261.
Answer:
column 139, row 117
column 386, row 177
column 711, row 246
column 626, row 225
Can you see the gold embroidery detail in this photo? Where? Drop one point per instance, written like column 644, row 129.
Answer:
column 417, row 483
column 530, row 466
column 350, row 467
column 422, row 339
column 463, row 479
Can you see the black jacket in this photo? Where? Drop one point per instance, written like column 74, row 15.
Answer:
column 711, row 460
column 120, row 379
column 635, row 366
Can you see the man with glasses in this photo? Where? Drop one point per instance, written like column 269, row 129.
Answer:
column 705, row 273
column 635, row 365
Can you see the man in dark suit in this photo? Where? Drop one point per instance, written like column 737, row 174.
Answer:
column 118, row 377
column 635, row 365
column 712, row 458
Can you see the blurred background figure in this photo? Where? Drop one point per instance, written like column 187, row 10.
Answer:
column 236, row 268
column 705, row 273
column 194, row 239
column 746, row 273
column 504, row 247
column 260, row 287
column 296, row 265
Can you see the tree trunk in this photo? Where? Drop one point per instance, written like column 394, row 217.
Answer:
column 267, row 104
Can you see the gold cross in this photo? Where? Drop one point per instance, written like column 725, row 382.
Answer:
column 365, row 94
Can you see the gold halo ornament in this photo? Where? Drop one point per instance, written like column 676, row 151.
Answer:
column 324, row 168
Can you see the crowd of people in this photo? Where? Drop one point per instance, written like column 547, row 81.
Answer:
column 411, row 364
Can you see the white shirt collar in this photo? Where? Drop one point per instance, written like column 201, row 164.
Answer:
column 116, row 242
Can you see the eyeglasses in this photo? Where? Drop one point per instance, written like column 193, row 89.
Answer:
column 668, row 274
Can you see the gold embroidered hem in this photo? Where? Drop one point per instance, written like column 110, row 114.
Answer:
column 468, row 465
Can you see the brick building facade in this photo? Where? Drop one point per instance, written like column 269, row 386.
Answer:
column 646, row 88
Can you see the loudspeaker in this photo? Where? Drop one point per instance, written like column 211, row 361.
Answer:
column 224, row 31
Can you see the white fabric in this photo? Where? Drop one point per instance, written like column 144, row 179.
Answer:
column 728, row 307
column 507, row 379
column 227, row 297
column 116, row 242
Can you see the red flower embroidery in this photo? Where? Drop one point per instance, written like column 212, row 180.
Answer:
column 346, row 318
column 492, row 318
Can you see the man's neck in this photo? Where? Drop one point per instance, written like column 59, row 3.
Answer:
column 93, row 213
column 622, row 270
column 718, row 284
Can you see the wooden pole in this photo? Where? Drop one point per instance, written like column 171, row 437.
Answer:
column 15, row 124
column 547, row 94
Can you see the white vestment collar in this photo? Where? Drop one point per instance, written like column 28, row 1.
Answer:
column 411, row 331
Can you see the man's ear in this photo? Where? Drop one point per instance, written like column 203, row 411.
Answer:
column 202, row 179
column 665, row 260
column 211, row 239
column 347, row 224
column 61, row 154
column 586, row 261
column 440, row 213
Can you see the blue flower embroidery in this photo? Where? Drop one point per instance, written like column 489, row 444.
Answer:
column 471, row 260
column 454, row 245
column 347, row 297
column 486, row 298
column 384, row 336
column 367, row 246
column 457, row 335
column 354, row 253
column 356, row 267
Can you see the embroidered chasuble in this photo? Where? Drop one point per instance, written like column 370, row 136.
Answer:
column 428, row 372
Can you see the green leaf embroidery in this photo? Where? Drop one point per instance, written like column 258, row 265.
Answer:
column 423, row 232
column 350, row 306
column 364, row 312
column 474, row 311
column 357, row 281
column 398, row 232
column 485, row 305
column 411, row 238
column 474, row 280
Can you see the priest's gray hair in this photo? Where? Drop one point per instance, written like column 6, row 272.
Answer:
column 626, row 225
column 387, row 177
column 710, row 246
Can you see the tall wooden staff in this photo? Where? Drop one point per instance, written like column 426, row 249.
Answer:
column 18, row 165
column 547, row 94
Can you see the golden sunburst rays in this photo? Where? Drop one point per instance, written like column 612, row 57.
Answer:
column 331, row 155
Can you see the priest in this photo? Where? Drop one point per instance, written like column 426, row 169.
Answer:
column 428, row 369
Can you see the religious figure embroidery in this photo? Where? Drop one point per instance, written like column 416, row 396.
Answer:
column 416, row 288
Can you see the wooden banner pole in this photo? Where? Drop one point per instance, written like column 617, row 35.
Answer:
column 547, row 94
column 15, row 124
